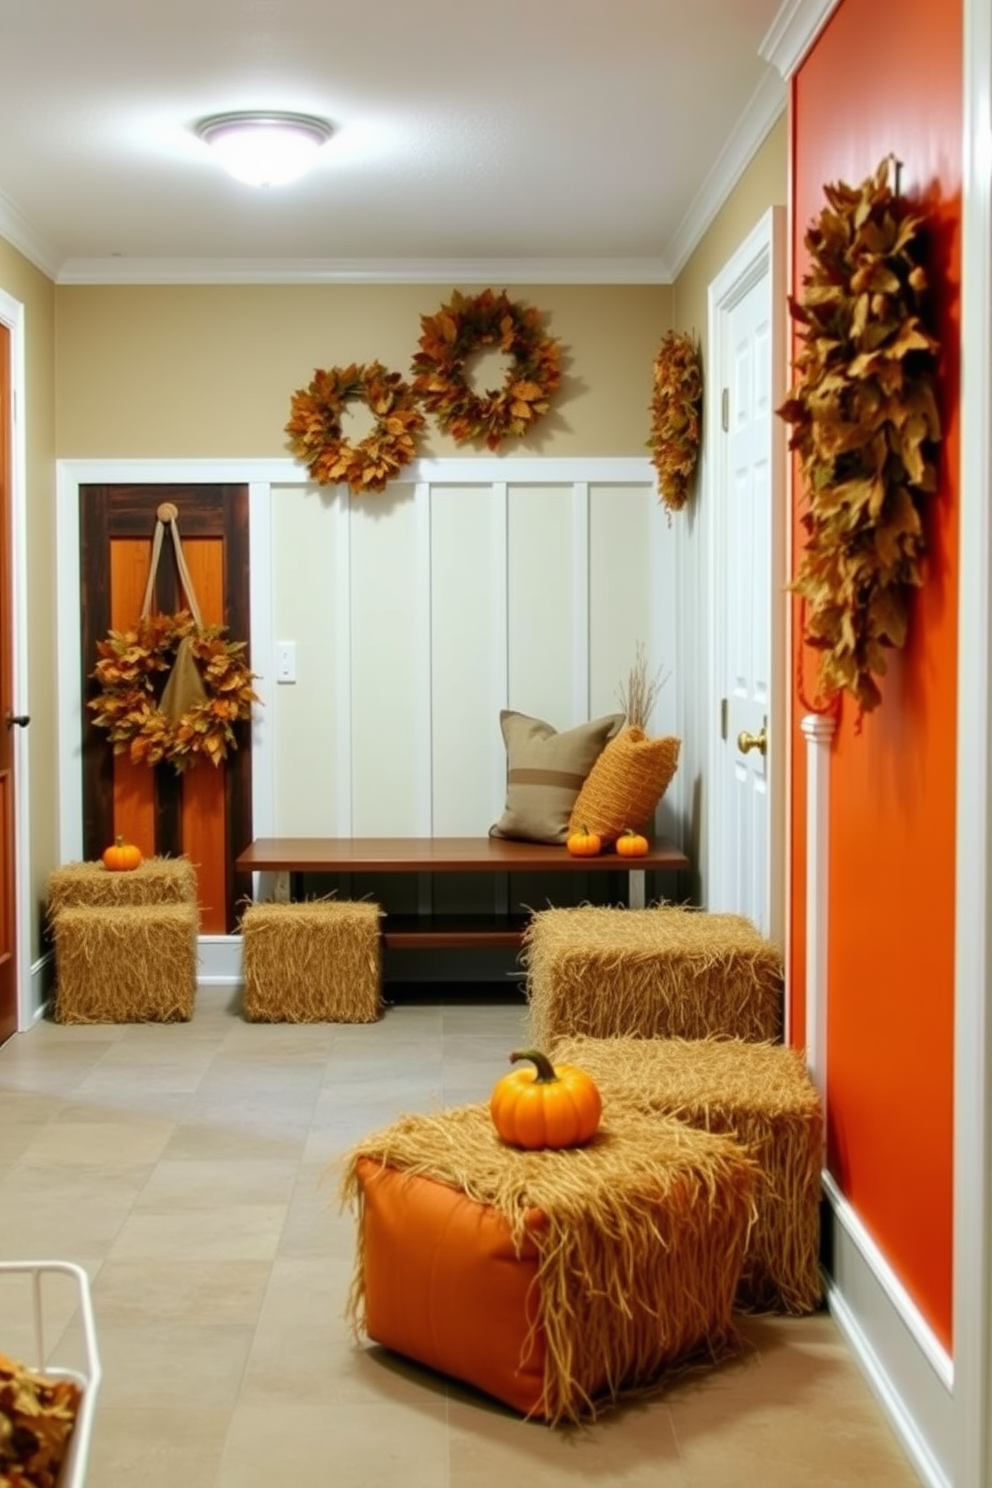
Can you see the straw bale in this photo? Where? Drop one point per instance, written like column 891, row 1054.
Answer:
column 312, row 962
column 662, row 972
column 133, row 963
column 155, row 881
column 640, row 1235
column 763, row 1094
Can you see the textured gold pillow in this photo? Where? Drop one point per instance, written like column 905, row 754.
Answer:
column 625, row 784
column 545, row 771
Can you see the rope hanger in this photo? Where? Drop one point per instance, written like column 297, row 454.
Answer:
column 167, row 516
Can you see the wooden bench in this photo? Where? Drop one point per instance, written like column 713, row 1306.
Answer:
column 298, row 856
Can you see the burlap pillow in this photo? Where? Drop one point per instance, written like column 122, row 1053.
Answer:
column 625, row 784
column 545, row 771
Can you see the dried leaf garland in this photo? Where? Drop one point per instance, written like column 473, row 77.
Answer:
column 676, row 414
column 865, row 428
column 316, row 433
column 127, row 706
column 460, row 329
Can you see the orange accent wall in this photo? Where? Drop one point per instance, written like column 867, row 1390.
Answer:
column 885, row 77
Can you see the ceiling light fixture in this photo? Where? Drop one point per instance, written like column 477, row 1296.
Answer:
column 265, row 149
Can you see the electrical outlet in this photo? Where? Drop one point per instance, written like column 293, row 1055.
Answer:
column 285, row 661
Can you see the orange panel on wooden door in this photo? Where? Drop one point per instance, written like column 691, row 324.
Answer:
column 204, row 814
column 134, row 785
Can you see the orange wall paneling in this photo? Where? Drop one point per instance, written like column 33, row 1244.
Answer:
column 885, row 77
column 204, row 800
column 134, row 785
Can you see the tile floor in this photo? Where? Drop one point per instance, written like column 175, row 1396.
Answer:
column 187, row 1167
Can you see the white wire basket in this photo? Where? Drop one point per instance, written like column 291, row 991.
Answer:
column 85, row 1374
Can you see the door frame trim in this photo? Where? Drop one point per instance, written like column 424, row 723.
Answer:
column 763, row 250
column 12, row 315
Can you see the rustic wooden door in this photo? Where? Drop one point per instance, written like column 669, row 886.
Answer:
column 205, row 813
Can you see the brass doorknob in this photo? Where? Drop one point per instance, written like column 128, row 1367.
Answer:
column 747, row 742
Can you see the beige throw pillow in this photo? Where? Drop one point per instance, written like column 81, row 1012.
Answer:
column 545, row 771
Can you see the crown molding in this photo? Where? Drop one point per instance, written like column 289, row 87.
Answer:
column 793, row 32
column 21, row 234
column 363, row 271
column 766, row 104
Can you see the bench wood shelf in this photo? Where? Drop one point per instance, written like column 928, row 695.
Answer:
column 298, row 856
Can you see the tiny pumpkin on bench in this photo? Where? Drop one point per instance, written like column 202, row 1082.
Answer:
column 583, row 843
column 631, row 844
column 122, row 857
column 548, row 1106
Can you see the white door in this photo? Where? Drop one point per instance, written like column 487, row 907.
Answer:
column 747, row 461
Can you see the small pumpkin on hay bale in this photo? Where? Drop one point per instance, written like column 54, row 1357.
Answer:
column 132, row 963
column 637, row 1238
column 763, row 1094
column 664, row 972
column 311, row 962
column 157, row 880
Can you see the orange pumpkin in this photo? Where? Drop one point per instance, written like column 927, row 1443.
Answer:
column 122, row 857
column 631, row 844
column 584, row 844
column 548, row 1106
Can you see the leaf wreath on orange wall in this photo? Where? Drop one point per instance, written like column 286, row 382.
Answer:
column 865, row 426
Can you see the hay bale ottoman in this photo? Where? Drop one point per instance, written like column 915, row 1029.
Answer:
column 663, row 972
column 154, row 881
column 313, row 962
column 763, row 1094
column 131, row 963
column 554, row 1281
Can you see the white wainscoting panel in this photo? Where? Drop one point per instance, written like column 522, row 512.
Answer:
column 545, row 604
column 300, row 717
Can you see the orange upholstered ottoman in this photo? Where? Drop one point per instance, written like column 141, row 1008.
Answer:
column 555, row 1281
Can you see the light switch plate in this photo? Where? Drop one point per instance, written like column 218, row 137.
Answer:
column 285, row 661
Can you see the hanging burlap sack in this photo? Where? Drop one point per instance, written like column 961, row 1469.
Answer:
column 625, row 784
column 184, row 689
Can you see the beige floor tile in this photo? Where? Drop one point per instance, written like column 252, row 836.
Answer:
column 95, row 1143
column 370, row 1446
column 23, row 1107
column 181, row 1366
column 237, row 1134
column 156, row 1447
column 239, row 1232
column 208, row 1184
column 131, row 1293
column 631, row 1445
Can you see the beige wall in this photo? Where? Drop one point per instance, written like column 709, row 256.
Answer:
column 764, row 184
column 202, row 371
column 35, row 292
column 27, row 284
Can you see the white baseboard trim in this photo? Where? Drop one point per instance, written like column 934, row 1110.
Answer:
column 220, row 961
column 907, row 1367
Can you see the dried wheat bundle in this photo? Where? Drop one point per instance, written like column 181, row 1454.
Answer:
column 312, row 962
column 665, row 972
column 132, row 963
column 155, row 881
column 764, row 1095
column 640, row 1247
column 639, row 693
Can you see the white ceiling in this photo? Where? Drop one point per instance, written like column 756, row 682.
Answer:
column 524, row 139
